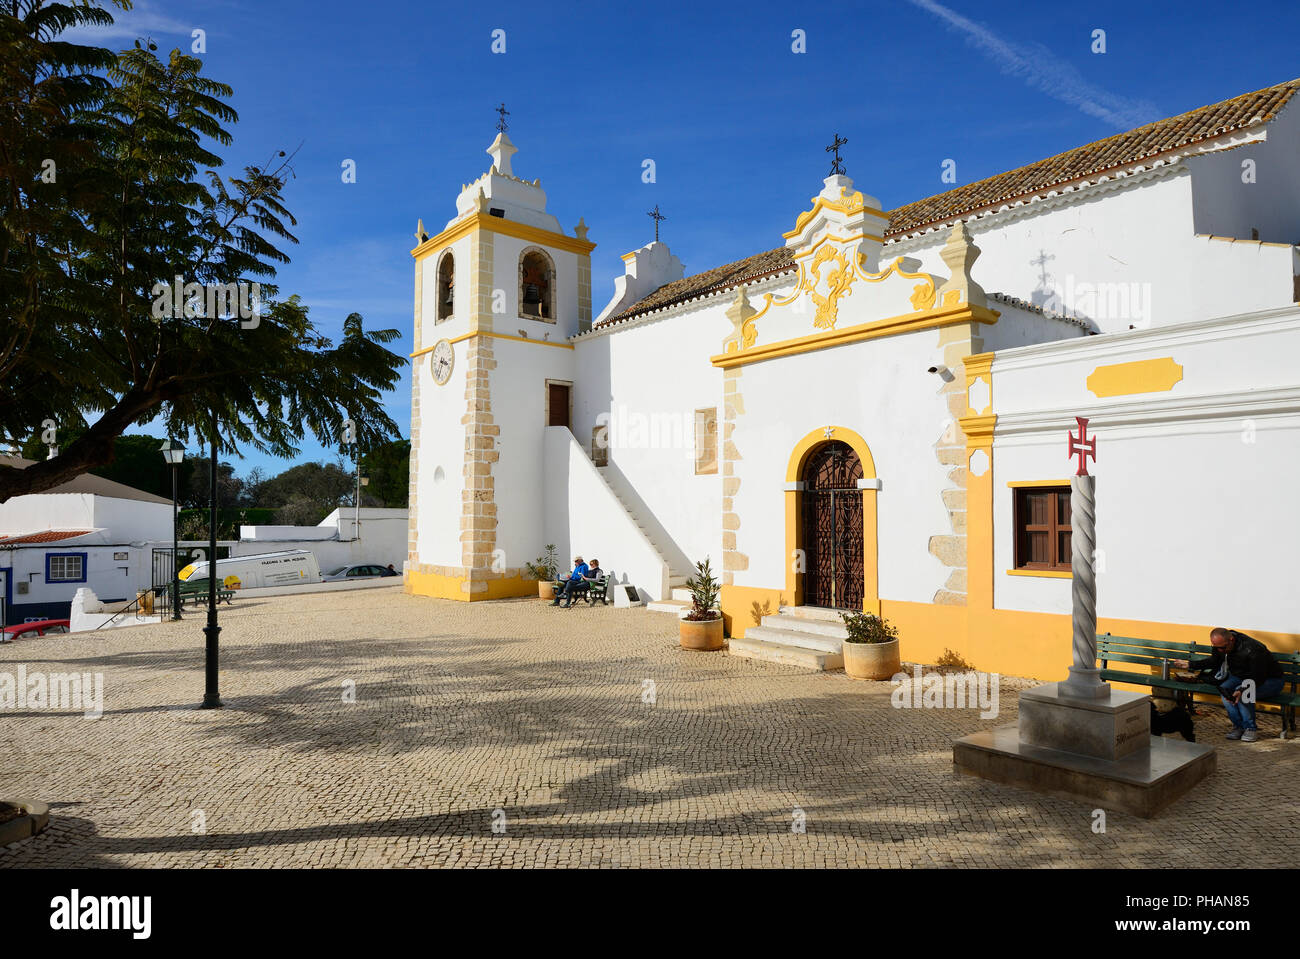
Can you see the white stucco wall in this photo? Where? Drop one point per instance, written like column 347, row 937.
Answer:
column 383, row 538
column 897, row 409
column 649, row 380
column 441, row 478
column 518, row 387
column 1195, row 486
column 1232, row 201
column 41, row 511
column 1122, row 254
column 585, row 517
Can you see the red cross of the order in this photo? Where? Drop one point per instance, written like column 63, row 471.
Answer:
column 1083, row 446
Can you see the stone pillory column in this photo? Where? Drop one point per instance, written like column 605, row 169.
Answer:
column 1080, row 738
column 1085, row 678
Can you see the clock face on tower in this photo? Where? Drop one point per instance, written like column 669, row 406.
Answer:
column 443, row 359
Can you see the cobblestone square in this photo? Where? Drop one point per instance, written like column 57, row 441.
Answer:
column 511, row 734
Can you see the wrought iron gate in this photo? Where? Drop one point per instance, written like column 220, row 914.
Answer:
column 832, row 527
column 164, row 568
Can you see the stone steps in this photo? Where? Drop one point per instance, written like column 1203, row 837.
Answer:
column 790, row 637
column 773, row 652
column 803, row 624
column 796, row 636
column 669, row 606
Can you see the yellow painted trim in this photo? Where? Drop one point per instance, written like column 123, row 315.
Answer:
column 978, row 430
column 851, row 238
column 1010, row 642
column 849, row 203
column 977, row 365
column 496, row 336
column 1141, row 376
column 497, row 224
column 1018, row 484
column 1049, row 573
column 893, row 326
column 870, row 539
column 468, row 589
column 626, row 257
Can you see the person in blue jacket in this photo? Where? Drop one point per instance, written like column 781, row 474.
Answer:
column 579, row 573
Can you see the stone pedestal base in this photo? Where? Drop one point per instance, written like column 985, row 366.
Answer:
column 1141, row 783
column 1107, row 727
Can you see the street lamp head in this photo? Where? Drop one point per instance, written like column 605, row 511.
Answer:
column 173, row 452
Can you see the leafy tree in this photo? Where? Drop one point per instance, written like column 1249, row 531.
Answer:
column 198, row 492
column 137, row 201
column 305, row 494
column 137, row 462
column 388, row 467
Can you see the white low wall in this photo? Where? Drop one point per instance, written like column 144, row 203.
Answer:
column 88, row 614
column 584, row 516
column 380, row 582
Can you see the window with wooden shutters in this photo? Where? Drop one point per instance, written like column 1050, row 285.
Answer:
column 1043, row 527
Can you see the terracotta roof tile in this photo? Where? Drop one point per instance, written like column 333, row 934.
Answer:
column 1123, row 149
column 46, row 536
column 1163, row 136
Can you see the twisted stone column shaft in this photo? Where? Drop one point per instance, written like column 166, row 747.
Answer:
column 1083, row 544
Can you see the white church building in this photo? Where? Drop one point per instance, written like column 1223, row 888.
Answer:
column 873, row 413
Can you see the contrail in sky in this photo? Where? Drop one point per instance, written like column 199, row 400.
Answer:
column 1045, row 71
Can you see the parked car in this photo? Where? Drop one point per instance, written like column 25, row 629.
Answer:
column 362, row 571
column 41, row 627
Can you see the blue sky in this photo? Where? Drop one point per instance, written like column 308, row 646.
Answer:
column 734, row 119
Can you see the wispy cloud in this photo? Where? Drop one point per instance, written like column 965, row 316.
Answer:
column 141, row 21
column 1043, row 70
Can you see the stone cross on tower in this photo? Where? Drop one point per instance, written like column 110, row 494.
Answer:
column 656, row 216
column 837, row 164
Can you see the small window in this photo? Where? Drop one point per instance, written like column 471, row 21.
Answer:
column 706, row 440
column 1043, row 527
column 446, row 292
column 65, row 568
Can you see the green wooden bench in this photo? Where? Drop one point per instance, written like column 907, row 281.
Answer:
column 1155, row 653
column 197, row 590
column 598, row 590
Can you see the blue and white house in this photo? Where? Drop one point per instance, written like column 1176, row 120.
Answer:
column 89, row 532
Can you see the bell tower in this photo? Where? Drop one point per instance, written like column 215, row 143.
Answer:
column 498, row 294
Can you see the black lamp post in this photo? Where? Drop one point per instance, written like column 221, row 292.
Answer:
column 211, row 697
column 174, row 453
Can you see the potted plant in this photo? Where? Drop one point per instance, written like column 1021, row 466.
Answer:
column 544, row 571
column 871, row 648
column 702, row 626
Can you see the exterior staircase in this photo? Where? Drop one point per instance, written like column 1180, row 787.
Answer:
column 796, row 636
column 679, row 599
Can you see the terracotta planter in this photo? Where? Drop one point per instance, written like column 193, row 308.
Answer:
column 871, row 660
column 545, row 589
column 705, row 634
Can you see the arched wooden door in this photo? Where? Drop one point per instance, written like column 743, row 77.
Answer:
column 831, row 527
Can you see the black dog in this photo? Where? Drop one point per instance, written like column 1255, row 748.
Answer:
column 1175, row 721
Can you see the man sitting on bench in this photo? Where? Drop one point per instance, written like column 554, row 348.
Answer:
column 572, row 583
column 1237, row 658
